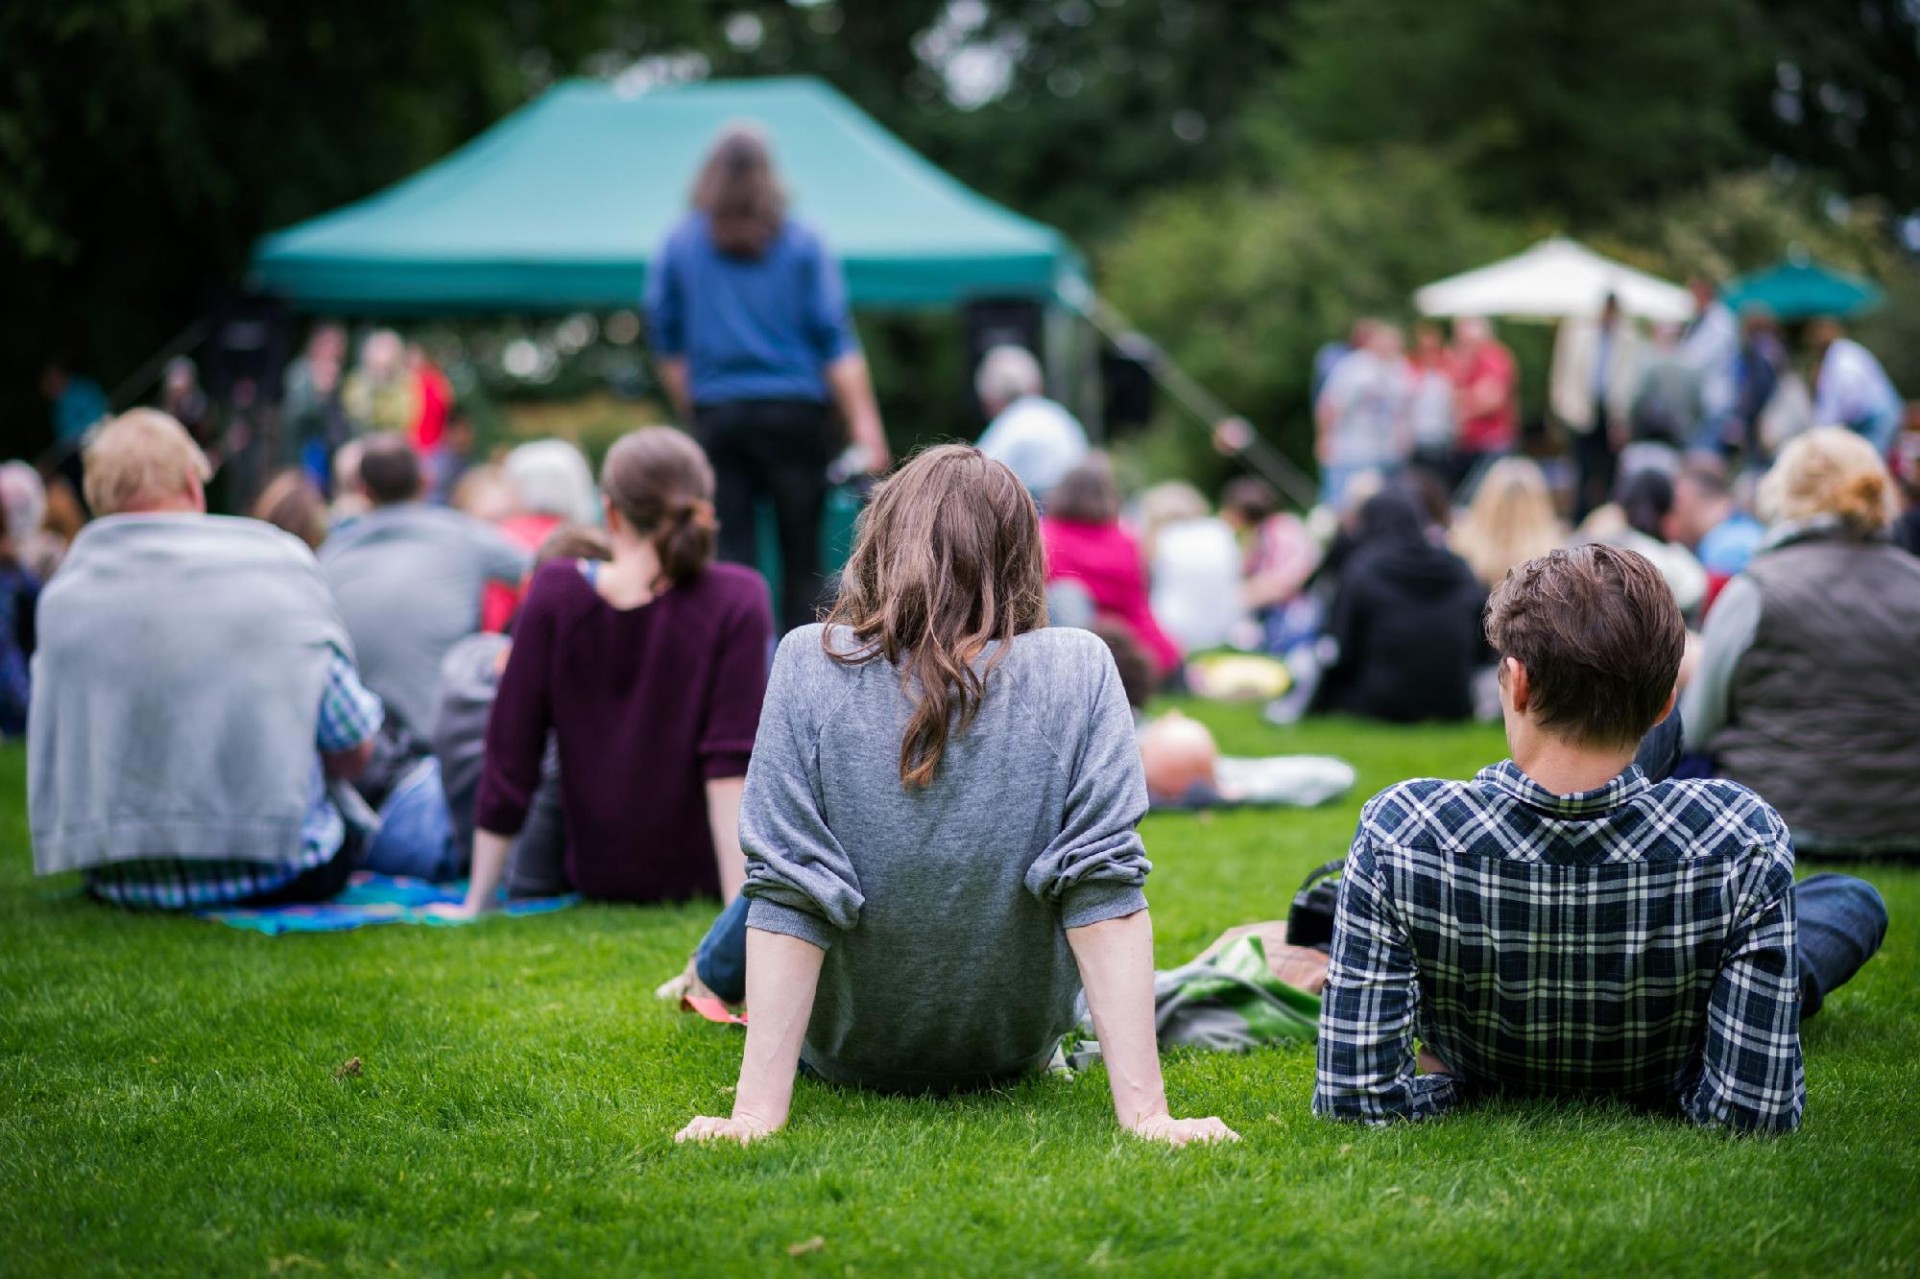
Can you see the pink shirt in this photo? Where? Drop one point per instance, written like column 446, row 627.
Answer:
column 497, row 606
column 1490, row 368
column 1105, row 559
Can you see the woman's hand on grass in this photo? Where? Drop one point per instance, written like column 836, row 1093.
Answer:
column 740, row 1128
column 1180, row 1132
column 452, row 912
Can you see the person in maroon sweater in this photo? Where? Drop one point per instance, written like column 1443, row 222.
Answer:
column 649, row 670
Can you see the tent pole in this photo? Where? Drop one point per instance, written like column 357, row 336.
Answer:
column 1205, row 407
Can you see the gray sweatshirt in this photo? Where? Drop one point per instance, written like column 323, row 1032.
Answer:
column 943, row 911
column 175, row 692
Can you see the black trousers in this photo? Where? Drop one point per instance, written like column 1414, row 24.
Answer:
column 319, row 883
column 1595, row 465
column 776, row 450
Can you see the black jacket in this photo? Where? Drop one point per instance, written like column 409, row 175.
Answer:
column 1406, row 618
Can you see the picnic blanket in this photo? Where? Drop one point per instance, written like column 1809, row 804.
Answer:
column 372, row 899
column 1273, row 781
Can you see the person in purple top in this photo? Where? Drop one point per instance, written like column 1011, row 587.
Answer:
column 649, row 669
column 747, row 316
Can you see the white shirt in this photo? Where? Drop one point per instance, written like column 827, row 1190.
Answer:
column 1710, row 348
column 1852, row 387
column 1038, row 440
column 1196, row 583
column 1370, row 398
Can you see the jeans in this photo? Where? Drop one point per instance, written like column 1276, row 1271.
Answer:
column 778, row 450
column 721, row 961
column 1841, row 920
column 416, row 832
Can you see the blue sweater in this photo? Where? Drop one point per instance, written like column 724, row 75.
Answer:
column 749, row 328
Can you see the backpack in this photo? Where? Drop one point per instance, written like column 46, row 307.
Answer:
column 1310, row 921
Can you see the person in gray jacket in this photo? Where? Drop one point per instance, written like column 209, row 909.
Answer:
column 1806, row 688
column 408, row 577
column 939, row 825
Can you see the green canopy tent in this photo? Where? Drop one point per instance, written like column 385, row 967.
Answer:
column 560, row 206
column 1798, row 289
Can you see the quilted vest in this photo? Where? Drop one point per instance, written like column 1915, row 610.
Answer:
column 1824, row 713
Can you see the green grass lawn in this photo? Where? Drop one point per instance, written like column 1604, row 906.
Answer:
column 172, row 1099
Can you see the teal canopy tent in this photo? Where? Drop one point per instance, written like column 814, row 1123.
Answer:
column 559, row 206
column 1797, row 289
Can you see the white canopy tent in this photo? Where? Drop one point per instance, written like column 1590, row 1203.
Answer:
column 1557, row 279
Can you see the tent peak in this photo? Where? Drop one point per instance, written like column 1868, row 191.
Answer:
column 561, row 205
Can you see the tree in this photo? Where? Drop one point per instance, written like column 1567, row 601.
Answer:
column 1843, row 94
column 1548, row 105
column 1243, row 283
column 1070, row 111
column 143, row 147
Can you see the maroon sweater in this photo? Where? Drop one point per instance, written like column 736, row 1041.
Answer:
column 647, row 704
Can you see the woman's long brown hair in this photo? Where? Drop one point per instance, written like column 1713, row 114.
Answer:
column 947, row 562
column 739, row 193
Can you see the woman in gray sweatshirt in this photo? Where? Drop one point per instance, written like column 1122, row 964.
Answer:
column 939, row 824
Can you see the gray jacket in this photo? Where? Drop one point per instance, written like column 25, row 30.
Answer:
column 408, row 579
column 469, row 680
column 943, row 911
column 176, row 693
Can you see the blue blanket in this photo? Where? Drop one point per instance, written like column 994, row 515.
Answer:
column 372, row 899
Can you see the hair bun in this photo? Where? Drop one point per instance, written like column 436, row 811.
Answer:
column 697, row 511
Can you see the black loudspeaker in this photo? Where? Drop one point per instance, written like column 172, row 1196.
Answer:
column 1126, row 376
column 246, row 350
column 995, row 322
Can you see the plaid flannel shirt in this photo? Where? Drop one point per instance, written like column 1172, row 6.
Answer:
column 1633, row 941
column 349, row 716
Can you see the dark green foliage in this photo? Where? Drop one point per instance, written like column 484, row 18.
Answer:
column 1243, row 284
column 1546, row 104
column 1843, row 97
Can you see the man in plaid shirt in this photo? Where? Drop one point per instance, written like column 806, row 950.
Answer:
column 1561, row 925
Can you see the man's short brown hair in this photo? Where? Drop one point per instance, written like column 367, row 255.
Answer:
column 390, row 470
column 1601, row 637
column 143, row 455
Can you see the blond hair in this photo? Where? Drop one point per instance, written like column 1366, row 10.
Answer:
column 1830, row 471
column 1510, row 521
column 141, row 457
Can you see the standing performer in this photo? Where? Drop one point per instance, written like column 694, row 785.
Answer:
column 747, row 314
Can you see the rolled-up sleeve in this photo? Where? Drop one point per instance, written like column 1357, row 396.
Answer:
column 800, row 879
column 1095, row 868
